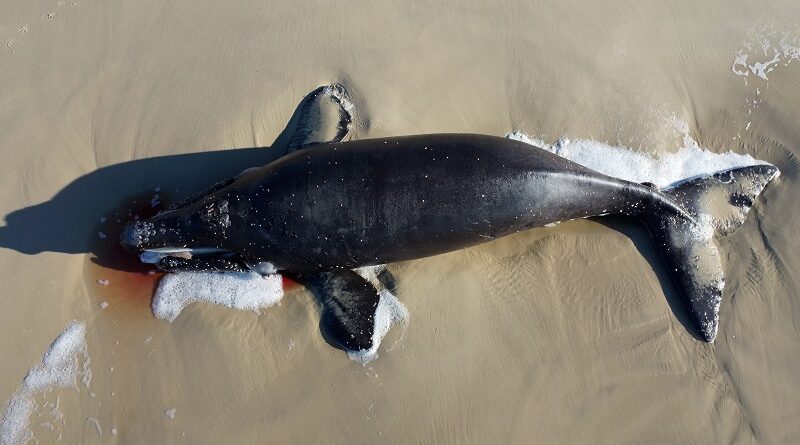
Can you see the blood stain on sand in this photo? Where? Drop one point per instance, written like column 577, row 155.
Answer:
column 288, row 283
column 117, row 275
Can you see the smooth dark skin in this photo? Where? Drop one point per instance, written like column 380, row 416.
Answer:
column 372, row 202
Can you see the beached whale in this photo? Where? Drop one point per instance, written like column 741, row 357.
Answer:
column 327, row 208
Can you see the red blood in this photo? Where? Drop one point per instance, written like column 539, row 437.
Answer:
column 288, row 283
column 129, row 281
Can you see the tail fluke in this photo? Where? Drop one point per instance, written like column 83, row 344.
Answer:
column 719, row 204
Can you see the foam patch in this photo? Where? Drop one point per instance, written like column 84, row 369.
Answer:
column 624, row 163
column 244, row 291
column 62, row 363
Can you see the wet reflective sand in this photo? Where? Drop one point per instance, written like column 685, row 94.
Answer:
column 570, row 334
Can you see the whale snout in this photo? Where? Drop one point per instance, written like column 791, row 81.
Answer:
column 161, row 231
column 176, row 241
column 175, row 230
column 136, row 235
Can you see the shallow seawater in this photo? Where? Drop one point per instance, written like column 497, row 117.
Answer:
column 565, row 334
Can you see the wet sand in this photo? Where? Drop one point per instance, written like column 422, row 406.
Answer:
column 570, row 334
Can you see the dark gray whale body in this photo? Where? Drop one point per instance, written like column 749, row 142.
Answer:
column 370, row 202
column 323, row 210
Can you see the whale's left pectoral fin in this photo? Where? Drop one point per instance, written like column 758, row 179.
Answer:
column 324, row 116
column 349, row 303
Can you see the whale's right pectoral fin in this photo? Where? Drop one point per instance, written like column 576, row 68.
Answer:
column 349, row 303
column 324, row 116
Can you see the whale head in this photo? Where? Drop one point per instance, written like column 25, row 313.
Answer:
column 194, row 235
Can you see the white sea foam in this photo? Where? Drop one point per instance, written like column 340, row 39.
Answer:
column 246, row 291
column 390, row 311
column 251, row 291
column 65, row 360
column 340, row 94
column 621, row 162
column 766, row 48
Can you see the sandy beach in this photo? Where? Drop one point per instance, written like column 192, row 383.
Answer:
column 557, row 335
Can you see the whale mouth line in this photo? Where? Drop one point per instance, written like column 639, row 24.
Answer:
column 154, row 256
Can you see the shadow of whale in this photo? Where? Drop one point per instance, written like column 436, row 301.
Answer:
column 63, row 223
